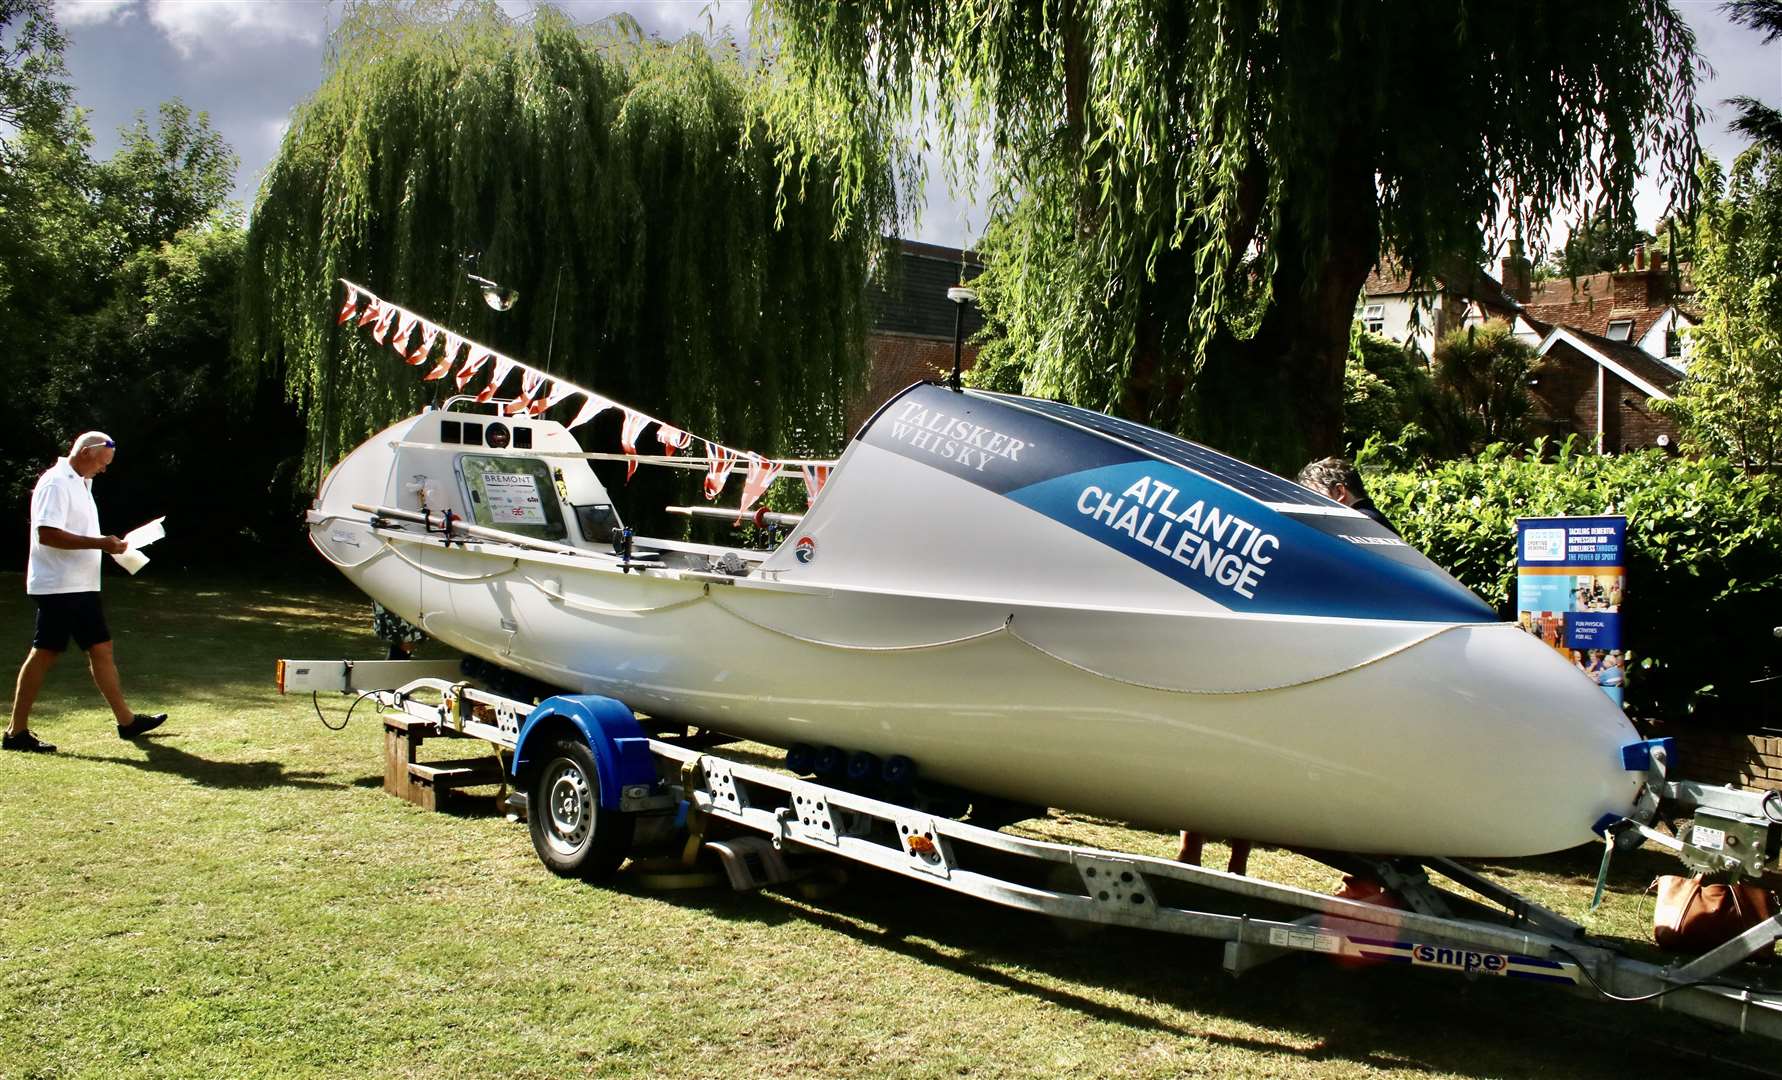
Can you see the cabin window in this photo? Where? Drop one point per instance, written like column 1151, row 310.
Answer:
column 1620, row 329
column 597, row 522
column 512, row 494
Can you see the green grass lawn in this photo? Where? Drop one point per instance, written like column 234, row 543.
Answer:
column 236, row 896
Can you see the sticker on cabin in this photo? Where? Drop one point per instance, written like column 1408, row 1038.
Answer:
column 513, row 499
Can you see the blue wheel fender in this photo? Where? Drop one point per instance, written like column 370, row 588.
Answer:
column 621, row 749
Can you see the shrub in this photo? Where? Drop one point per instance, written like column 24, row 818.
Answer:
column 1704, row 560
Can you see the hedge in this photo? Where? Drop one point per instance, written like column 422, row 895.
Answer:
column 1704, row 561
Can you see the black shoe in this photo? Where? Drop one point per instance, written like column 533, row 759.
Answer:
column 26, row 741
column 141, row 723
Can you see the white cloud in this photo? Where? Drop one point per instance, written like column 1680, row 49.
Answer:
column 93, row 12
column 227, row 26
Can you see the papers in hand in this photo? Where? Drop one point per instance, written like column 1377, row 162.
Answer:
column 133, row 559
column 144, row 535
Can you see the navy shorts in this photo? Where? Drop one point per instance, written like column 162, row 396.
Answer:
column 61, row 616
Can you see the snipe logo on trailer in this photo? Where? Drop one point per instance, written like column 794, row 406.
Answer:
column 806, row 549
column 1465, row 960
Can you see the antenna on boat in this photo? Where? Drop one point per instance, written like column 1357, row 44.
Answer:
column 556, row 294
column 961, row 295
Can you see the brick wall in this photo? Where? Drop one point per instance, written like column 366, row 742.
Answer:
column 1747, row 761
column 1564, row 398
column 1564, row 394
column 897, row 360
column 1637, row 426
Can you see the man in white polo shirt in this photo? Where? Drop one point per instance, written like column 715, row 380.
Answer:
column 63, row 578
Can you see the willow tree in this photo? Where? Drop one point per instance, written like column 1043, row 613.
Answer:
column 626, row 187
column 1188, row 194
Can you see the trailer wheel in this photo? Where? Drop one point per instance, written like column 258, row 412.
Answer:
column 573, row 836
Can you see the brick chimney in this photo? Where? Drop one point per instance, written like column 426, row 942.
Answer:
column 1514, row 274
column 1643, row 285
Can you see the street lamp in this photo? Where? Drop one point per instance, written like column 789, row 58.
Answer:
column 961, row 295
column 498, row 297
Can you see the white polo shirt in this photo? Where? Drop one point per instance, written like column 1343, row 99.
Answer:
column 63, row 499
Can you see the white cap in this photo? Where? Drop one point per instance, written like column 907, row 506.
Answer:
column 89, row 439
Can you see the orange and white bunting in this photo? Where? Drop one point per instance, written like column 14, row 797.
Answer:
column 761, row 474
column 530, row 384
column 429, row 334
column 406, row 321
column 351, row 305
column 440, row 370
column 539, row 393
column 503, row 366
column 815, row 476
column 472, row 364
column 722, row 459
column 633, row 426
column 594, row 406
column 381, row 329
column 545, row 402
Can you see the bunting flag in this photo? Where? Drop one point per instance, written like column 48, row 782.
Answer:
column 530, row 384
column 453, row 343
column 815, row 476
column 444, row 367
column 472, row 364
column 439, row 370
column 722, row 459
column 539, row 393
column 633, row 426
column 429, row 334
column 502, row 367
column 559, row 391
column 761, row 473
column 594, row 406
column 405, row 325
column 381, row 329
column 351, row 305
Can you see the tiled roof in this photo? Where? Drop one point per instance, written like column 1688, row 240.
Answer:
column 1386, row 280
column 1631, row 357
column 1588, row 304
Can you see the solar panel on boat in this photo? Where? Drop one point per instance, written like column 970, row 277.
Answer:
column 1241, row 476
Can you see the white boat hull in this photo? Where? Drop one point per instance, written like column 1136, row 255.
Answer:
column 1091, row 689
column 1386, row 757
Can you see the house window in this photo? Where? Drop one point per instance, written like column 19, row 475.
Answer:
column 1373, row 318
column 1620, row 329
column 1673, row 343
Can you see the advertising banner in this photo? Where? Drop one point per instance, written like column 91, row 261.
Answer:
column 1571, row 576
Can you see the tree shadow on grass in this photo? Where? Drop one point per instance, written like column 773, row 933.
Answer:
column 162, row 757
column 1381, row 1017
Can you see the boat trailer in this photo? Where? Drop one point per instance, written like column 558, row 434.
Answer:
column 1468, row 925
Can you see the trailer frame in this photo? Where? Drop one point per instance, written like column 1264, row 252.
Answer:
column 1486, row 930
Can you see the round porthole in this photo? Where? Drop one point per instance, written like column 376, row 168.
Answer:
column 497, row 435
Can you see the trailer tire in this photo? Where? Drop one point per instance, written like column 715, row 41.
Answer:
column 573, row 836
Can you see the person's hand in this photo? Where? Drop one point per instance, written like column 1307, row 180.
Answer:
column 114, row 546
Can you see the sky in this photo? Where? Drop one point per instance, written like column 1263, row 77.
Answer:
column 249, row 62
